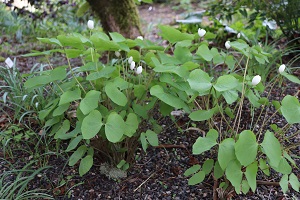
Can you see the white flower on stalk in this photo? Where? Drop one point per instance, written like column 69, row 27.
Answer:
column 238, row 35
column 227, row 44
column 140, row 37
column 117, row 54
column 132, row 65
column 201, row 32
column 139, row 70
column 9, row 62
column 256, row 79
column 36, row 104
column 130, row 59
column 90, row 24
column 281, row 68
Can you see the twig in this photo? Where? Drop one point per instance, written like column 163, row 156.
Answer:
column 171, row 146
column 215, row 195
column 143, row 182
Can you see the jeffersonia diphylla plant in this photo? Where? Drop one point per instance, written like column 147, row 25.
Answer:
column 101, row 107
column 195, row 82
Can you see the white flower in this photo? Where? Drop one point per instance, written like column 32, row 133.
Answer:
column 36, row 104
column 238, row 35
column 130, row 59
column 201, row 32
column 90, row 24
column 117, row 54
column 281, row 68
column 256, row 79
column 9, row 62
column 140, row 37
column 270, row 23
column 132, row 65
column 139, row 70
column 227, row 44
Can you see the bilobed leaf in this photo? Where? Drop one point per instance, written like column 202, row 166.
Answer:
column 135, row 55
column 246, row 148
column 77, row 155
column 204, row 52
column 234, row 174
column 238, row 45
column 90, row 101
column 60, row 109
column 272, row 148
column 291, row 109
column 114, row 127
column 192, row 170
column 283, row 166
column 173, row 35
column 207, row 166
column 197, row 178
column 293, row 179
column 61, row 133
column 152, row 138
column 226, row 152
column 291, row 77
column 103, row 73
column 169, row 99
column 183, row 54
column 251, row 173
column 91, row 124
column 132, row 124
column 117, row 37
column 73, row 144
column 115, row 94
column 226, row 82
column 205, row 143
column 264, row 167
column 245, row 187
column 144, row 141
column 85, row 165
column 218, row 171
column 201, row 115
column 284, row 184
column 199, row 80
column 70, row 96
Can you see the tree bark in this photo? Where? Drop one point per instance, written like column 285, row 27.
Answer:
column 118, row 16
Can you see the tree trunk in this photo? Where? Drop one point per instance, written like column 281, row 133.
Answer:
column 118, row 16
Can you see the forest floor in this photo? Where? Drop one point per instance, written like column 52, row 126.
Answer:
column 157, row 174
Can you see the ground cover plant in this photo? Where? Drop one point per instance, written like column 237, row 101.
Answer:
column 112, row 104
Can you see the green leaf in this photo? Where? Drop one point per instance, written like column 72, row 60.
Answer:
column 230, row 96
column 199, row 80
column 239, row 45
column 50, row 41
column 234, row 174
column 284, row 184
column 293, row 179
column 91, row 124
column 205, row 143
column 82, row 9
column 61, row 133
column 204, row 52
column 71, row 41
column 251, row 173
column 144, row 141
column 197, row 178
column 73, row 144
column 192, row 170
column 114, row 127
column 264, row 167
column 90, row 101
column 117, row 37
column 179, row 70
column 291, row 77
column 85, row 165
column 283, row 166
column 201, row 115
column 245, row 187
column 173, row 35
column 103, row 73
column 291, row 109
column 226, row 152
column 218, row 171
column 183, row 54
column 169, row 99
column 60, row 109
column 246, row 148
column 121, row 163
column 230, row 62
column 77, row 155
column 152, row 138
column 70, row 96
column 272, row 148
column 226, row 82
column 115, row 94
column 132, row 124
column 135, row 55
column 207, row 166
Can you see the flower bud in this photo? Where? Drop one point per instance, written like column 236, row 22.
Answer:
column 281, row 68
column 130, row 59
column 238, row 35
column 140, row 37
column 132, row 65
column 90, row 24
column 227, row 44
column 117, row 54
column 139, row 70
column 201, row 32
column 256, row 79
